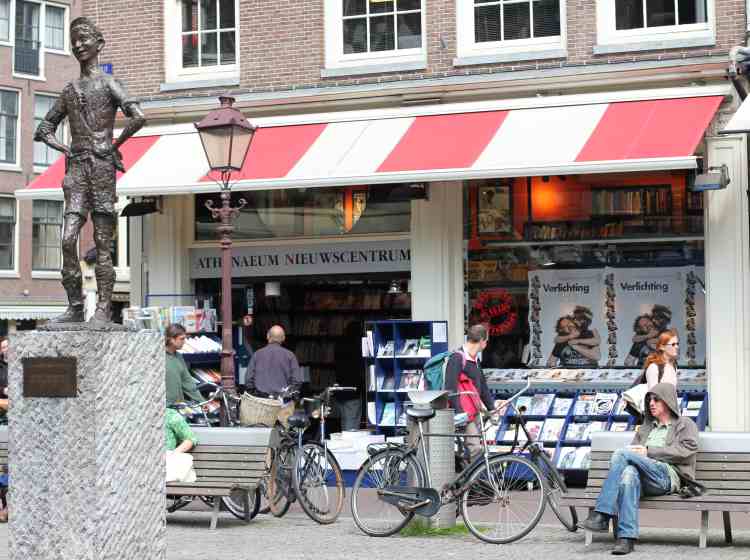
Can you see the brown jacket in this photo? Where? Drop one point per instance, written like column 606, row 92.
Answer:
column 681, row 446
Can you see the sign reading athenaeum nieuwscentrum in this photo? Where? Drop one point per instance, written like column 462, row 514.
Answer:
column 338, row 258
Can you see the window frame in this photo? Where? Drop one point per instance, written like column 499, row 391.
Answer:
column 11, row 20
column 608, row 39
column 12, row 272
column 66, row 26
column 468, row 51
column 173, row 70
column 62, row 131
column 34, row 246
column 335, row 58
column 15, row 165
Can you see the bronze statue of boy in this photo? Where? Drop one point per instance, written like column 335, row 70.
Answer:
column 90, row 103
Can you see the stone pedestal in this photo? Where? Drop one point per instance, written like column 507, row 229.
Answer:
column 88, row 471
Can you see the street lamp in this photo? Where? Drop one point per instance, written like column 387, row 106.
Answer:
column 226, row 135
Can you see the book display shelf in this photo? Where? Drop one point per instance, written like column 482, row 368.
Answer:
column 203, row 358
column 564, row 419
column 397, row 352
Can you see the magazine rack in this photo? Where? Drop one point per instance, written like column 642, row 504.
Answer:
column 564, row 420
column 395, row 352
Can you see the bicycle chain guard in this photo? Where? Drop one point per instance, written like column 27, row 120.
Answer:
column 422, row 501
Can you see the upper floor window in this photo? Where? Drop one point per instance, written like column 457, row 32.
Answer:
column 655, row 24
column 8, row 127
column 46, row 234
column 4, row 21
column 44, row 156
column 54, row 28
column 37, row 26
column 373, row 31
column 505, row 28
column 202, row 38
column 7, row 232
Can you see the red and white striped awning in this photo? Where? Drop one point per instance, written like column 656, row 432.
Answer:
column 600, row 133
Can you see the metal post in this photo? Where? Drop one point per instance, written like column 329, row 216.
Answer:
column 226, row 215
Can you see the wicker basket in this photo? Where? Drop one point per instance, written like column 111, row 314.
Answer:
column 255, row 411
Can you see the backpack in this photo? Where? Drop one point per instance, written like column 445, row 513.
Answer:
column 434, row 370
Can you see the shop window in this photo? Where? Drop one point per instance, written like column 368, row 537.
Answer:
column 44, row 156
column 645, row 23
column 9, row 128
column 4, row 21
column 310, row 213
column 7, row 233
column 529, row 28
column 361, row 32
column 46, row 234
column 585, row 273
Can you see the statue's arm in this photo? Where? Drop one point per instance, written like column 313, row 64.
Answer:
column 45, row 132
column 135, row 119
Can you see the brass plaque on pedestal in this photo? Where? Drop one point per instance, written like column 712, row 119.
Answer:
column 50, row 377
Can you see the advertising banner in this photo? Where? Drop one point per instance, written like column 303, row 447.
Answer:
column 566, row 318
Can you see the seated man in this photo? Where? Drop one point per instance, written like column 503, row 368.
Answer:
column 660, row 460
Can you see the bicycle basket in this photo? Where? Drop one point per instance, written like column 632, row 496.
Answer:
column 255, row 411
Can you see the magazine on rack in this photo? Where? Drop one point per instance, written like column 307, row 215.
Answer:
column 582, row 458
column 385, row 350
column 619, row 409
column 578, row 431
column 585, row 405
column 604, row 403
column 552, row 429
column 539, row 404
column 410, row 347
column 597, row 427
column 523, row 404
column 534, row 428
column 411, row 380
column 561, row 406
column 567, row 457
column 619, row 427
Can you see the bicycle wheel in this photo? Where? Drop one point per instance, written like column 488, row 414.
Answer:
column 279, row 482
column 318, row 483
column 504, row 499
column 387, row 469
column 234, row 504
column 555, row 487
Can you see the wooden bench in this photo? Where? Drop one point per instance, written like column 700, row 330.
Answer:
column 228, row 462
column 723, row 466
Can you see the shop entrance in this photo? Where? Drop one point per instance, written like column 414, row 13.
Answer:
column 323, row 318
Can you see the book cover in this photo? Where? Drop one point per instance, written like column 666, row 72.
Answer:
column 534, row 427
column 411, row 380
column 386, row 350
column 540, row 403
column 584, row 405
column 388, row 417
column 389, row 382
column 567, row 457
column 604, row 403
column 619, row 427
column 599, row 426
column 409, row 347
column 552, row 429
column 561, row 406
column 577, row 431
column 523, row 404
column 582, row 458
column 619, row 409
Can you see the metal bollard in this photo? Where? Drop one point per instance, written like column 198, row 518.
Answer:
column 441, row 456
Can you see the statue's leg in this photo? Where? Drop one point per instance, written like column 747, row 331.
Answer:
column 104, row 229
column 71, row 269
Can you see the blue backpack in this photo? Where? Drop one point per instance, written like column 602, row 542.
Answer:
column 434, row 370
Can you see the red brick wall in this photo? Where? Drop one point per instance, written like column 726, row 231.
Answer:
column 282, row 44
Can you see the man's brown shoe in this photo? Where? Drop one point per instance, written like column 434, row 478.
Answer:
column 597, row 522
column 623, row 546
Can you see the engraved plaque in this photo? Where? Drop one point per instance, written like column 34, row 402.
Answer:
column 50, row 377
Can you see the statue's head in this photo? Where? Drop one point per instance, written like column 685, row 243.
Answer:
column 85, row 38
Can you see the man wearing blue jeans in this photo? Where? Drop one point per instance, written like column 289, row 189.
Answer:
column 660, row 460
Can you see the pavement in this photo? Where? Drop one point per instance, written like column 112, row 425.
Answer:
column 295, row 536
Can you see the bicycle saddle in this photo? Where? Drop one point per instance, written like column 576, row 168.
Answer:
column 298, row 420
column 420, row 414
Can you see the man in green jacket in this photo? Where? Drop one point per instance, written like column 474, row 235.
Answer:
column 180, row 384
column 660, row 460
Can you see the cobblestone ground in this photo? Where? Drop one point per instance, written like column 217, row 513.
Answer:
column 297, row 537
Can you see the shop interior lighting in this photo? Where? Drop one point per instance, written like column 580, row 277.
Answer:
column 394, row 288
column 273, row 289
column 142, row 207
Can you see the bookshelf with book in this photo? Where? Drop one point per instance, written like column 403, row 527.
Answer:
column 395, row 352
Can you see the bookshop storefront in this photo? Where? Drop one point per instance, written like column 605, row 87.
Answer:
column 552, row 233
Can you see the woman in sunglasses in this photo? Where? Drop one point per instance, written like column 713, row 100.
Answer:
column 661, row 365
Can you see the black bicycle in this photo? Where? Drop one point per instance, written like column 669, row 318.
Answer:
column 306, row 470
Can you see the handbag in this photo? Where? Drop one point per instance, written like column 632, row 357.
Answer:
column 635, row 397
column 180, row 467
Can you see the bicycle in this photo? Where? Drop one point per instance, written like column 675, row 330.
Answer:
column 504, row 487
column 306, row 471
column 233, row 503
column 555, row 485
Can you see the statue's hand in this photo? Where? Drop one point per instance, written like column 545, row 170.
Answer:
column 117, row 159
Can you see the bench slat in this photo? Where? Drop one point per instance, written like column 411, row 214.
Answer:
column 739, row 485
column 700, row 465
column 702, row 457
column 203, row 448
column 688, row 505
column 187, row 491
column 228, row 456
column 228, row 472
column 202, row 463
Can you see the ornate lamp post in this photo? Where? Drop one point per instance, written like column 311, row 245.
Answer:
column 226, row 137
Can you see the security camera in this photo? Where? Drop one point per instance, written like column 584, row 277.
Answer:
column 716, row 179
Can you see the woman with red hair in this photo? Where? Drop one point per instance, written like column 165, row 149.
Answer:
column 661, row 365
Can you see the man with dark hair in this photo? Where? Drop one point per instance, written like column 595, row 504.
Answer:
column 90, row 104
column 180, row 384
column 660, row 460
column 273, row 368
column 465, row 361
